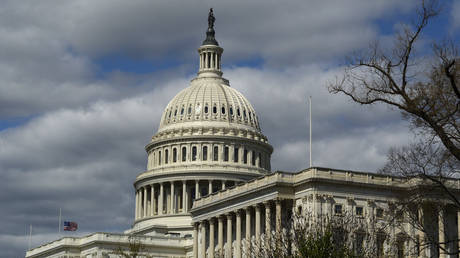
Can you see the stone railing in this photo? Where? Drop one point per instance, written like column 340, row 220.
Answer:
column 112, row 238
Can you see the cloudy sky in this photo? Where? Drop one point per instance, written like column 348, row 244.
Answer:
column 83, row 85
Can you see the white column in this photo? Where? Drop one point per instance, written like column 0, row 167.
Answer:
column 197, row 189
column 137, row 205
column 211, row 238
column 223, row 184
column 155, row 201
column 229, row 235
column 441, row 232
column 267, row 220
column 220, row 236
column 203, row 239
column 238, row 235
column 458, row 229
column 184, row 196
column 278, row 216
column 195, row 240
column 161, row 201
column 209, row 187
column 173, row 198
column 257, row 222
column 152, row 200
column 145, row 202
column 248, row 225
column 212, row 60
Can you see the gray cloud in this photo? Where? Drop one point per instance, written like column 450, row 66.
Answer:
column 83, row 146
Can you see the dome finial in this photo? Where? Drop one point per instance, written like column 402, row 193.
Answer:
column 210, row 40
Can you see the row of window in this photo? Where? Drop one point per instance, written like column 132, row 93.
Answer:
column 248, row 157
column 359, row 211
column 249, row 116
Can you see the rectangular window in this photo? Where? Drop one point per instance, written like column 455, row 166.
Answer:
column 226, row 153
column 359, row 211
column 205, row 153
column 253, row 158
column 235, row 154
column 184, row 153
column 245, row 157
column 216, row 153
column 260, row 160
column 166, row 156
column 193, row 153
column 379, row 213
column 174, row 155
column 159, row 158
column 338, row 209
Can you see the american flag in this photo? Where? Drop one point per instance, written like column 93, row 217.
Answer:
column 70, row 226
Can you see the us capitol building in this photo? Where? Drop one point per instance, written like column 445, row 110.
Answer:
column 208, row 187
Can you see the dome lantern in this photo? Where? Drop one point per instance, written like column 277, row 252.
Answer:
column 210, row 52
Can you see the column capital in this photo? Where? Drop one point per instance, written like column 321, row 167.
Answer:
column 238, row 212
column 248, row 208
column 229, row 215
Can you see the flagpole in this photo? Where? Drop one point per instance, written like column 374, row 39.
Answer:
column 311, row 162
column 59, row 222
column 30, row 236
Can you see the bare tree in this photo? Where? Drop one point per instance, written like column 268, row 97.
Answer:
column 424, row 88
column 134, row 249
column 312, row 236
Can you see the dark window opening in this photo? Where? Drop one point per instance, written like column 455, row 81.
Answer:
column 170, row 113
column 174, row 155
column 184, row 153
column 193, row 153
column 182, row 111
column 260, row 160
column 231, row 111
column 253, row 158
column 206, row 109
column 235, row 154
column 216, row 153
column 338, row 209
column 379, row 213
column 244, row 113
column 226, row 153
column 214, row 109
column 223, row 110
column 359, row 211
column 238, row 112
column 189, row 110
column 166, row 156
column 175, row 112
column 159, row 158
column 205, row 153
column 245, row 157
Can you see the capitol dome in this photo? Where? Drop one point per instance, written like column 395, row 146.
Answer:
column 208, row 139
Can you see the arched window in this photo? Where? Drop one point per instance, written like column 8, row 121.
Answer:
column 205, row 153
column 231, row 111
column 166, row 156
column 159, row 157
column 235, row 154
column 226, row 153
column 206, row 109
column 216, row 153
column 193, row 153
column 223, row 110
column 245, row 157
column 174, row 155
column 253, row 158
column 214, row 110
column 184, row 153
